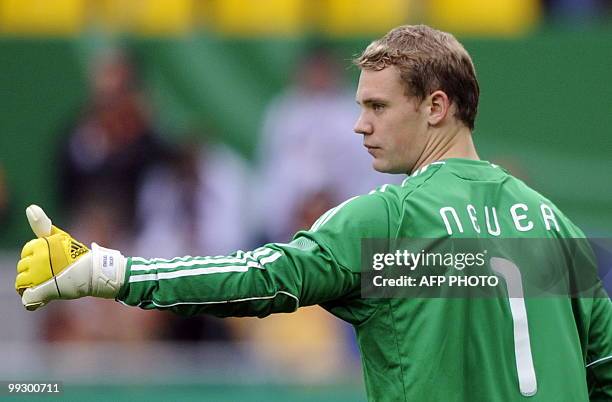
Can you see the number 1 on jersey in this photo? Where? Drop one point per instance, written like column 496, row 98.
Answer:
column 522, row 346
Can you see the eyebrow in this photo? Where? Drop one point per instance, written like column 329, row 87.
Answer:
column 369, row 101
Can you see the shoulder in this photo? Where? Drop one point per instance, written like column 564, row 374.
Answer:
column 388, row 199
column 342, row 229
column 357, row 211
column 367, row 215
column 420, row 183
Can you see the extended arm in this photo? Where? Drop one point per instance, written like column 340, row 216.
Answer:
column 271, row 279
column 274, row 278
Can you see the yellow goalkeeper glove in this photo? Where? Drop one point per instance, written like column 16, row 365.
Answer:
column 56, row 266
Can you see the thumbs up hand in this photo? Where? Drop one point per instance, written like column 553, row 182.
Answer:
column 46, row 270
column 56, row 266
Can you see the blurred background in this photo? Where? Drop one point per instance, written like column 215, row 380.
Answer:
column 174, row 127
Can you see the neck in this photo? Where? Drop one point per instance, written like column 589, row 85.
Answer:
column 447, row 142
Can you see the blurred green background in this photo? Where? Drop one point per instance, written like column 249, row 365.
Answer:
column 545, row 110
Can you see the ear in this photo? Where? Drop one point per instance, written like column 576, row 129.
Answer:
column 439, row 107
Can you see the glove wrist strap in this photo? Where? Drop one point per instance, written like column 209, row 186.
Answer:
column 108, row 272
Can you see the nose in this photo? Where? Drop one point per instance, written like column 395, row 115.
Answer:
column 362, row 126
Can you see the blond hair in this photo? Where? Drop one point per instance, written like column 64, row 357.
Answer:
column 428, row 60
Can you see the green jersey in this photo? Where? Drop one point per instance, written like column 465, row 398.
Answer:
column 413, row 349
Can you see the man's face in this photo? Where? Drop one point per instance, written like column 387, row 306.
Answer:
column 394, row 127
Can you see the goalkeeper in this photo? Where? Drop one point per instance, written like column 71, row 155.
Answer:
column 418, row 96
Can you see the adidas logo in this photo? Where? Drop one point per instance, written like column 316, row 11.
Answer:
column 76, row 249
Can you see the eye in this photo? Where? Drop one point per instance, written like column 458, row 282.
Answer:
column 378, row 107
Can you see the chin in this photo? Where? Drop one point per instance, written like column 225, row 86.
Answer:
column 386, row 168
column 381, row 167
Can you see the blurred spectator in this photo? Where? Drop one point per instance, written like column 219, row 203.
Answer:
column 112, row 143
column 189, row 202
column 108, row 151
column 194, row 204
column 308, row 150
column 96, row 218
